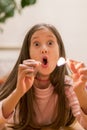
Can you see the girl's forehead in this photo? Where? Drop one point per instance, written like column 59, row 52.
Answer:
column 42, row 31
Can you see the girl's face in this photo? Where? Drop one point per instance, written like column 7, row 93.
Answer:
column 44, row 48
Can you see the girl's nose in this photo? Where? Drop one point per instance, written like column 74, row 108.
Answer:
column 44, row 50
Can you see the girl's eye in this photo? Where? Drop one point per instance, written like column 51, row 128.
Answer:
column 50, row 43
column 36, row 43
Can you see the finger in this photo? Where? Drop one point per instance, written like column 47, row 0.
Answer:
column 23, row 67
column 83, row 70
column 75, row 65
column 23, row 75
column 83, row 78
column 25, row 71
column 32, row 70
column 72, row 67
column 28, row 80
column 31, row 62
column 73, row 61
column 80, row 66
column 28, row 60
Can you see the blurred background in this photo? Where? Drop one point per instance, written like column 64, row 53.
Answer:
column 69, row 16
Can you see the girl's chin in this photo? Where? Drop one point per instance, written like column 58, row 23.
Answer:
column 42, row 74
column 46, row 71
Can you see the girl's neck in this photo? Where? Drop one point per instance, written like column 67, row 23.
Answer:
column 42, row 81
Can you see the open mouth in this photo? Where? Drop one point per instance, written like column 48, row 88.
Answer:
column 45, row 61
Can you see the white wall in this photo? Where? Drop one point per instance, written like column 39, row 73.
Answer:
column 69, row 16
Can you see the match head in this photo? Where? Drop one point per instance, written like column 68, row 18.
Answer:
column 61, row 61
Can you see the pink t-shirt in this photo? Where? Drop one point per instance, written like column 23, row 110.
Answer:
column 45, row 105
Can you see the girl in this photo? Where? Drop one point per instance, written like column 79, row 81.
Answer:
column 37, row 93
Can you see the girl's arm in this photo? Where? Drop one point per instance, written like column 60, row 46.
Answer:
column 9, row 104
column 75, row 106
column 79, row 75
column 81, row 92
column 26, row 74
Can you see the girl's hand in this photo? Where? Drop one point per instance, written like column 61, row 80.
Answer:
column 79, row 73
column 26, row 74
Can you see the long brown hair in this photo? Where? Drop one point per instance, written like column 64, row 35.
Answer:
column 57, row 77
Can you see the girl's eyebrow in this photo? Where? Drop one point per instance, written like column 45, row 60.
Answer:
column 50, row 36
column 33, row 38
column 38, row 37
